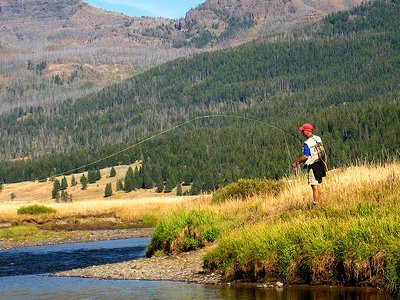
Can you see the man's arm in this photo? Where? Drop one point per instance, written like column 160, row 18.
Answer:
column 303, row 159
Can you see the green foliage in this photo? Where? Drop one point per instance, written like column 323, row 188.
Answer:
column 129, row 181
column 93, row 176
column 203, row 39
column 245, row 188
column 170, row 184
column 149, row 220
column 108, row 190
column 84, row 182
column 73, row 181
column 113, row 173
column 56, row 189
column 98, row 174
column 184, row 231
column 35, row 210
column 64, row 184
column 350, row 243
column 18, row 232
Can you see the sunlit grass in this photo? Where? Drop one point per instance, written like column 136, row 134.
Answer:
column 351, row 238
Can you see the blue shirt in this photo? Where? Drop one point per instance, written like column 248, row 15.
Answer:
column 306, row 150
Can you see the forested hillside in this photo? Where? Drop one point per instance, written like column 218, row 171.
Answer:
column 341, row 75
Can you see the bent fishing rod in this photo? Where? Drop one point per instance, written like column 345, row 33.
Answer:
column 179, row 126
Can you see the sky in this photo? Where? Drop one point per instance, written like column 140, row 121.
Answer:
column 172, row 9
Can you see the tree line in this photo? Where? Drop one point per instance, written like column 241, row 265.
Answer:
column 343, row 78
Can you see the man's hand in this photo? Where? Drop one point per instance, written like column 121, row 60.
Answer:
column 295, row 164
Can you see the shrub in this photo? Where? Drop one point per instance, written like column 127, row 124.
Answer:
column 184, row 231
column 35, row 210
column 244, row 188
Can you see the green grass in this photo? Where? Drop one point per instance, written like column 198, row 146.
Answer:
column 245, row 188
column 35, row 210
column 184, row 230
column 31, row 233
column 352, row 238
column 354, row 245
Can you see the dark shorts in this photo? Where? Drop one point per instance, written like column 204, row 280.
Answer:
column 312, row 180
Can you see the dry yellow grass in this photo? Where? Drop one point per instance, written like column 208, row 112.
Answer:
column 339, row 187
column 131, row 206
column 40, row 192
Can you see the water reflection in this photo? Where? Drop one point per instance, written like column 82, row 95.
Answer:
column 43, row 287
column 38, row 260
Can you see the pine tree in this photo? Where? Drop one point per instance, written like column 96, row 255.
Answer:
column 129, row 181
column 108, row 190
column 73, row 181
column 92, row 176
column 84, row 182
column 159, row 185
column 147, row 183
column 64, row 184
column 171, row 183
column 119, row 185
column 113, row 173
column 98, row 174
column 56, row 189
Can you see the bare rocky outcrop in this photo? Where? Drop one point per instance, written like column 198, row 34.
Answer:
column 233, row 21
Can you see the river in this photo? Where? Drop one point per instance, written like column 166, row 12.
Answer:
column 23, row 276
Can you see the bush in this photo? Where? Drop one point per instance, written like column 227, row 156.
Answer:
column 184, row 231
column 35, row 210
column 244, row 188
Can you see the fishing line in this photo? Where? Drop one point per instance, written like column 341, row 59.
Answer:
column 176, row 127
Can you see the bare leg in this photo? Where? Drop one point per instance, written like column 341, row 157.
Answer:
column 315, row 193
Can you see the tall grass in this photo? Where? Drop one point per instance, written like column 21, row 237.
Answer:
column 351, row 238
column 183, row 231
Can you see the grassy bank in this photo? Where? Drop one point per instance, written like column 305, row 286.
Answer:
column 32, row 233
column 351, row 238
column 146, row 210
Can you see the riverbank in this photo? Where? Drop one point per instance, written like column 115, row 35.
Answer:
column 77, row 236
column 351, row 238
column 186, row 267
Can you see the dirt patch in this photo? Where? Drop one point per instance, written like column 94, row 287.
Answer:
column 187, row 267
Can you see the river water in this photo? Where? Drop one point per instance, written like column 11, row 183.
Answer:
column 23, row 276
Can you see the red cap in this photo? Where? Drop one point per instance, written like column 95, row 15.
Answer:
column 306, row 126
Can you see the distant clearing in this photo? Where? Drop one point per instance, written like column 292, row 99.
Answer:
column 40, row 192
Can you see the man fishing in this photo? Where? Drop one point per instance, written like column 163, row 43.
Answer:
column 314, row 158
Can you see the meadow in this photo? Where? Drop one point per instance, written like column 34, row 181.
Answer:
column 351, row 238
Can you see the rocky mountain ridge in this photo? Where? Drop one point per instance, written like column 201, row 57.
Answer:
column 51, row 51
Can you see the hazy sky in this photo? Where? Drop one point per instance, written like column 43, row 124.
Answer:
column 172, row 9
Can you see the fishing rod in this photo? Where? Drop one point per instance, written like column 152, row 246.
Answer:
column 178, row 126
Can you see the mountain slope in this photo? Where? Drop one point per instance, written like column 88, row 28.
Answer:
column 233, row 22
column 52, row 51
column 342, row 77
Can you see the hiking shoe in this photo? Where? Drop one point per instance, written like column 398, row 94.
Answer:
column 315, row 203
